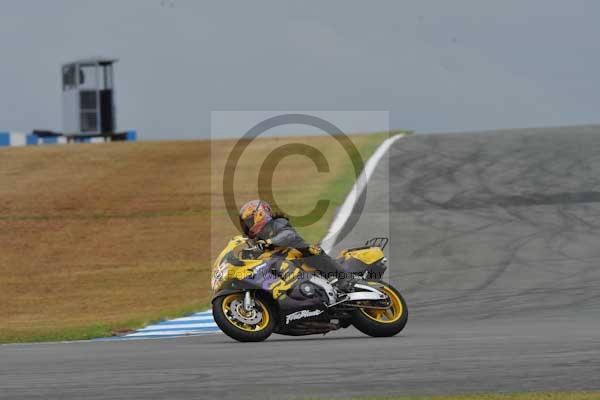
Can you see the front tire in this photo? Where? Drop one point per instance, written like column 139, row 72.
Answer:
column 243, row 326
column 383, row 323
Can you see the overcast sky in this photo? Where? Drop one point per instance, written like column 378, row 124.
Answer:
column 434, row 65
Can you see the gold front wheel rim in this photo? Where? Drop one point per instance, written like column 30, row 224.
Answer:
column 388, row 315
column 227, row 311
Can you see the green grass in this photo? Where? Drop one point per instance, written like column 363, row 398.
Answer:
column 96, row 331
column 491, row 396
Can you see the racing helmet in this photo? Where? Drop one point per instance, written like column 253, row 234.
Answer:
column 254, row 215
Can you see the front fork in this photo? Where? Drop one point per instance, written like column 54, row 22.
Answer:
column 248, row 301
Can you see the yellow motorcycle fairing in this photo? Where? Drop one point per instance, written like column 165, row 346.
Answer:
column 224, row 270
column 368, row 256
column 229, row 266
column 370, row 260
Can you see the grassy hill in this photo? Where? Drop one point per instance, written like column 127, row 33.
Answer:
column 97, row 238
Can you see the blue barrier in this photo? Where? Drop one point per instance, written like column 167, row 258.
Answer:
column 31, row 140
column 19, row 139
column 50, row 140
column 4, row 139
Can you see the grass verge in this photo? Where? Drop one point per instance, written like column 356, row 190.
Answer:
column 98, row 330
column 507, row 396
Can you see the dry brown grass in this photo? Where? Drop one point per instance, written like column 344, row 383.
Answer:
column 99, row 237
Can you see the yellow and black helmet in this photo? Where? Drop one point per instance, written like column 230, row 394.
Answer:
column 254, row 215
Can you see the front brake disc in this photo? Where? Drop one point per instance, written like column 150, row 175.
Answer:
column 251, row 317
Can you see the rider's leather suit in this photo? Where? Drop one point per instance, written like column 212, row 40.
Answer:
column 282, row 234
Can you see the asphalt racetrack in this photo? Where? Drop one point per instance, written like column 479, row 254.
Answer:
column 496, row 247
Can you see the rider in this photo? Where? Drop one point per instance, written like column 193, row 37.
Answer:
column 259, row 222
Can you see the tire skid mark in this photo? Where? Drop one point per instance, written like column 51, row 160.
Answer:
column 500, row 223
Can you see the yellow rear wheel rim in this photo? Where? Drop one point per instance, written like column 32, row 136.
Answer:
column 388, row 315
column 260, row 306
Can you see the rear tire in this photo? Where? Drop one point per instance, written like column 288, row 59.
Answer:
column 235, row 329
column 368, row 322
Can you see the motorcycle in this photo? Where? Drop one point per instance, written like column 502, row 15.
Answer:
column 262, row 291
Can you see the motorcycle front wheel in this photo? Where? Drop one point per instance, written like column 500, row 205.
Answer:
column 382, row 322
column 240, row 324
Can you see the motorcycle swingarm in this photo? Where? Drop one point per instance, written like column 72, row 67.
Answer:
column 369, row 293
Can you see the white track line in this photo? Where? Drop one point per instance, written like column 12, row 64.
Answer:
column 361, row 183
column 168, row 333
column 189, row 327
column 192, row 318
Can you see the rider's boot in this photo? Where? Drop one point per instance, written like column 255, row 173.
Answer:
column 345, row 284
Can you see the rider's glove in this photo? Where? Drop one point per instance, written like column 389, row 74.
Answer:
column 315, row 250
column 264, row 244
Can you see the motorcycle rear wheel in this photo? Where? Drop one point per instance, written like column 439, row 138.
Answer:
column 225, row 309
column 383, row 323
